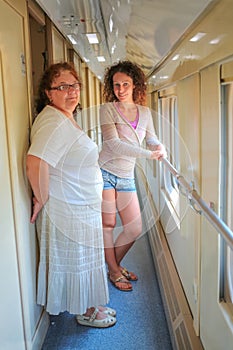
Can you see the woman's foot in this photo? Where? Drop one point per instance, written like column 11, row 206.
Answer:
column 120, row 282
column 129, row 275
column 95, row 318
column 107, row 310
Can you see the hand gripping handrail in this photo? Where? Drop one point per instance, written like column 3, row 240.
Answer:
column 205, row 209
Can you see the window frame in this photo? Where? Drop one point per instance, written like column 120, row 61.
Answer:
column 168, row 111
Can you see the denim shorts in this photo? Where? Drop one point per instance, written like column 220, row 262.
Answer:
column 117, row 183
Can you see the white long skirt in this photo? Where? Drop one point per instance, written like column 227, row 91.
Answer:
column 72, row 273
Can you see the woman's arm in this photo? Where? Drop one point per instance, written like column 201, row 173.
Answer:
column 112, row 140
column 119, row 147
column 38, row 176
column 152, row 141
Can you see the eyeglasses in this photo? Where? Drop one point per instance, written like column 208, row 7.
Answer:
column 66, row 87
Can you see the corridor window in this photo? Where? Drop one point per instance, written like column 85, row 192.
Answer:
column 169, row 133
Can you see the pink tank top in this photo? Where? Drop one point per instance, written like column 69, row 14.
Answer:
column 133, row 123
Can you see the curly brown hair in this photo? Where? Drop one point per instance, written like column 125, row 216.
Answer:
column 134, row 72
column 53, row 71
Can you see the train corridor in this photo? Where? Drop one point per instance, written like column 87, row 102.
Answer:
column 141, row 319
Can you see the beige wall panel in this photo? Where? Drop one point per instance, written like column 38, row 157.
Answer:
column 91, row 115
column 88, row 102
column 11, row 328
column 97, row 103
column 77, row 64
column 59, row 52
column 84, row 92
column 213, row 314
column 227, row 71
column 84, row 97
column 22, row 245
column 65, row 49
column 189, row 127
column 91, row 88
column 185, row 236
column 36, row 12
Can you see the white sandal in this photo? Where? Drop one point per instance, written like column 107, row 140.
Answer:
column 109, row 311
column 91, row 321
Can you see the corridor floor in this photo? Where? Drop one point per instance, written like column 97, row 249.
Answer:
column 141, row 321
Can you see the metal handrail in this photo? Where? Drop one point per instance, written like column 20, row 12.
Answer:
column 206, row 210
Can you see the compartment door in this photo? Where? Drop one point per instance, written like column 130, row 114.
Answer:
column 11, row 323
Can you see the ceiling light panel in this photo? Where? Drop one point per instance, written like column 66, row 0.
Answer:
column 101, row 58
column 197, row 37
column 92, row 38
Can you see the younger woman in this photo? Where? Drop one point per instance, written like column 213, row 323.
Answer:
column 125, row 123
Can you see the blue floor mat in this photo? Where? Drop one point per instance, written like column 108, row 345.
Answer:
column 140, row 315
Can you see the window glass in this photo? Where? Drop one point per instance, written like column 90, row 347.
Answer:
column 169, row 132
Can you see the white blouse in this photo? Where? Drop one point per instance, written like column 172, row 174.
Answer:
column 74, row 173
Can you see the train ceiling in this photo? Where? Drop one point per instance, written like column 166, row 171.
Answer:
column 143, row 31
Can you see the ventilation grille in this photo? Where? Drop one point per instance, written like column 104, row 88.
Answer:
column 169, row 290
column 182, row 339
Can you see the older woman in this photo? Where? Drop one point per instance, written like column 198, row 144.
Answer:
column 62, row 167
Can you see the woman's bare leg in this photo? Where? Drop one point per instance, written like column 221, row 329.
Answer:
column 130, row 214
column 109, row 222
